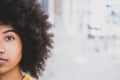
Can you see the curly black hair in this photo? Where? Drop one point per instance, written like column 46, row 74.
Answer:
column 31, row 24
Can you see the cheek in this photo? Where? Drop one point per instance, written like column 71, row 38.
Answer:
column 14, row 50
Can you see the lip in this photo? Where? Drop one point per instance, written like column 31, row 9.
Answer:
column 3, row 60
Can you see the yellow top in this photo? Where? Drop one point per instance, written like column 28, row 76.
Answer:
column 27, row 77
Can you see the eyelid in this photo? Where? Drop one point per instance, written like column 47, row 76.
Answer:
column 10, row 36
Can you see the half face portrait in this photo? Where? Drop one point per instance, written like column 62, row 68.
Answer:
column 10, row 49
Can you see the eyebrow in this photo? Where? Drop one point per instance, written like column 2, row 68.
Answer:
column 9, row 31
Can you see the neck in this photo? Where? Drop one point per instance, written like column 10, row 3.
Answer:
column 14, row 74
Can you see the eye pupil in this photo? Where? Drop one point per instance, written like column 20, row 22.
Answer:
column 9, row 38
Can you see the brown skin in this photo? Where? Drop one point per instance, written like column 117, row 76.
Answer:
column 11, row 52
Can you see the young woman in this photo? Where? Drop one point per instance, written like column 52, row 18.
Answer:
column 25, row 43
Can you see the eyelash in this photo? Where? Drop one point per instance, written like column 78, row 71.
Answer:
column 9, row 38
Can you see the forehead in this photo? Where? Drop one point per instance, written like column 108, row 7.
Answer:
column 4, row 28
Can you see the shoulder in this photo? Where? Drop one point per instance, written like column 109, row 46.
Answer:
column 27, row 77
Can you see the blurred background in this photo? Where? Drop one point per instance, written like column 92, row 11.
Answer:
column 86, row 41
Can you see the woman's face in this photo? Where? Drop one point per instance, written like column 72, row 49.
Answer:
column 10, row 49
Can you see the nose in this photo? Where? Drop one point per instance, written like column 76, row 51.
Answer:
column 2, row 50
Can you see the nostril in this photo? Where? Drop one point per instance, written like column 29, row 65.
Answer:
column 2, row 51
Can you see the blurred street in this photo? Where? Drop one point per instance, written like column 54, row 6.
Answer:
column 70, row 61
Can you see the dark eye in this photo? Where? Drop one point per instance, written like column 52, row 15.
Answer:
column 9, row 38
